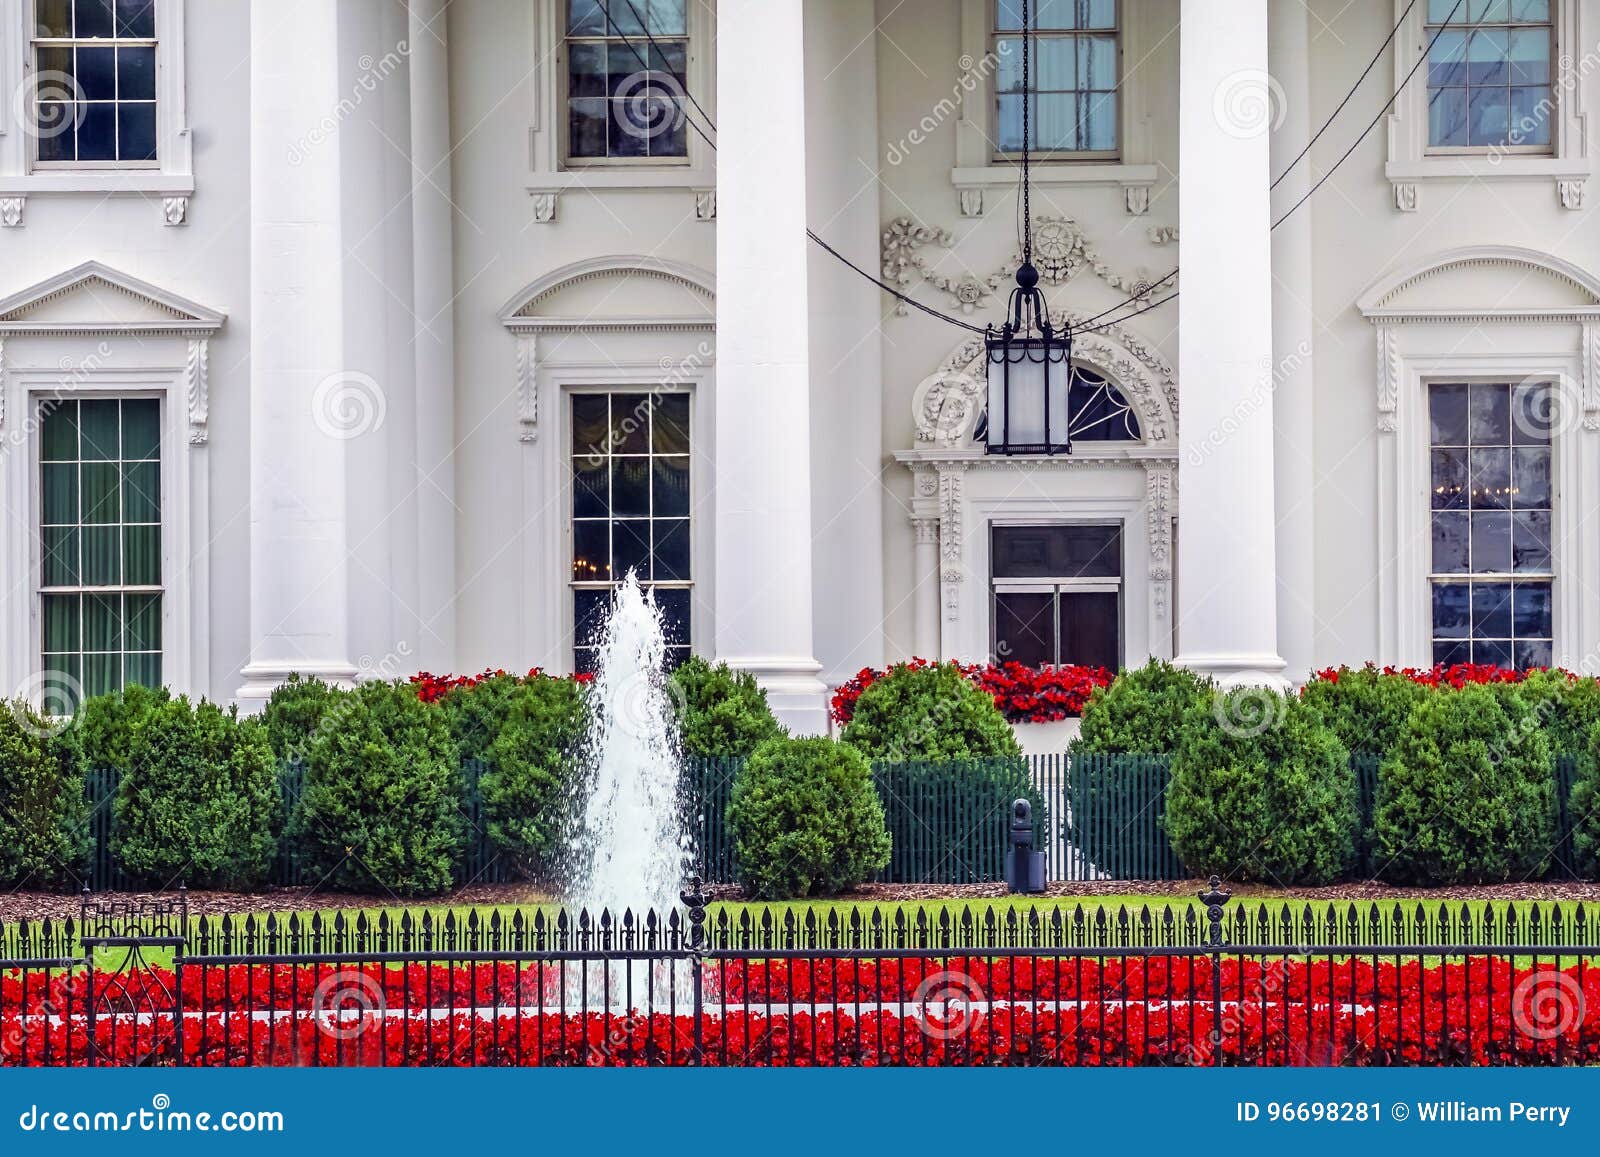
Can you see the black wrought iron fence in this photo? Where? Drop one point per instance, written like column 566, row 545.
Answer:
column 1214, row 984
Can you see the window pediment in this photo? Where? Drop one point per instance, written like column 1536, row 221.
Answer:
column 94, row 298
column 1471, row 285
column 614, row 291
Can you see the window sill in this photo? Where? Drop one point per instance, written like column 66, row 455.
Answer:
column 131, row 182
column 1135, row 181
column 1508, row 167
column 622, row 177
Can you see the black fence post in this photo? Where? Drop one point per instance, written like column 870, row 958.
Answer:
column 695, row 898
column 1214, row 898
column 182, row 933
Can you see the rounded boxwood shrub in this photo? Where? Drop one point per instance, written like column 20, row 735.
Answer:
column 198, row 801
column 44, row 816
column 1566, row 707
column 929, row 711
column 1584, row 809
column 805, row 819
column 295, row 712
column 101, row 734
column 722, row 713
column 1140, row 712
column 1274, row 800
column 1465, row 795
column 477, row 710
column 1366, row 708
column 381, row 807
column 529, row 769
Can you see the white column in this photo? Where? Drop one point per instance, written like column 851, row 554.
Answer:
column 925, row 600
column 1293, row 341
column 1227, row 590
column 433, row 296
column 846, row 344
column 763, row 450
column 299, row 615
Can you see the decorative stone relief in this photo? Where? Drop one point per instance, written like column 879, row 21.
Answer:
column 705, row 204
column 11, row 211
column 175, row 210
column 544, row 207
column 1137, row 199
column 528, row 388
column 1406, row 196
column 1060, row 253
column 1571, row 192
column 1388, row 377
column 971, row 201
column 952, row 568
column 197, row 389
column 1162, row 234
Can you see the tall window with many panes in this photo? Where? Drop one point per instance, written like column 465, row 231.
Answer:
column 1075, row 74
column 1492, row 499
column 93, row 83
column 631, row 510
column 1489, row 75
column 627, row 65
column 100, row 583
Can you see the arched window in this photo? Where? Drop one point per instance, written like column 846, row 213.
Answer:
column 1099, row 412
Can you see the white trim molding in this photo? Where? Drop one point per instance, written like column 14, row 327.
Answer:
column 93, row 331
column 1430, row 328
column 171, row 180
column 1567, row 167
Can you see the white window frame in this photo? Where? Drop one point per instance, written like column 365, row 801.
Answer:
column 549, row 171
column 106, row 358
column 979, row 168
column 1412, row 161
column 173, row 171
column 1058, row 586
column 642, row 45
column 1117, row 31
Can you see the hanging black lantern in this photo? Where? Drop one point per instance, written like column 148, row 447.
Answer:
column 1029, row 363
column 1030, row 375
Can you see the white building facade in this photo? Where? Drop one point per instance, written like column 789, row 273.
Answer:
column 363, row 337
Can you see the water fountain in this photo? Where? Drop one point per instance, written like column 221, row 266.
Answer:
column 630, row 843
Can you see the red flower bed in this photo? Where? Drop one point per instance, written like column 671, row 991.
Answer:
column 1023, row 1010
column 1023, row 694
column 431, row 688
column 1456, row 675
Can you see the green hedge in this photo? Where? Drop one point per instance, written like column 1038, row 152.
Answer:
column 933, row 712
column 44, row 813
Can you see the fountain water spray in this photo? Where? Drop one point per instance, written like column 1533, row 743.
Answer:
column 630, row 841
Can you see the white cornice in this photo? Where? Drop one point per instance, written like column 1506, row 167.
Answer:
column 609, row 324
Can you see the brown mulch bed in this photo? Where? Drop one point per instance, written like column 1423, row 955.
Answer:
column 18, row 906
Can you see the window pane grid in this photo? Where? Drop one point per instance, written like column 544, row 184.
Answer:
column 1057, row 594
column 1492, row 503
column 625, row 94
column 1074, row 77
column 1489, row 75
column 94, row 85
column 100, row 558
column 631, row 509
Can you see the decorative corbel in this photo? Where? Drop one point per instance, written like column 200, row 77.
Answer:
column 528, row 388
column 197, row 389
column 1388, row 378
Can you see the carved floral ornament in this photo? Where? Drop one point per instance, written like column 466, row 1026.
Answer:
column 946, row 404
column 1060, row 252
